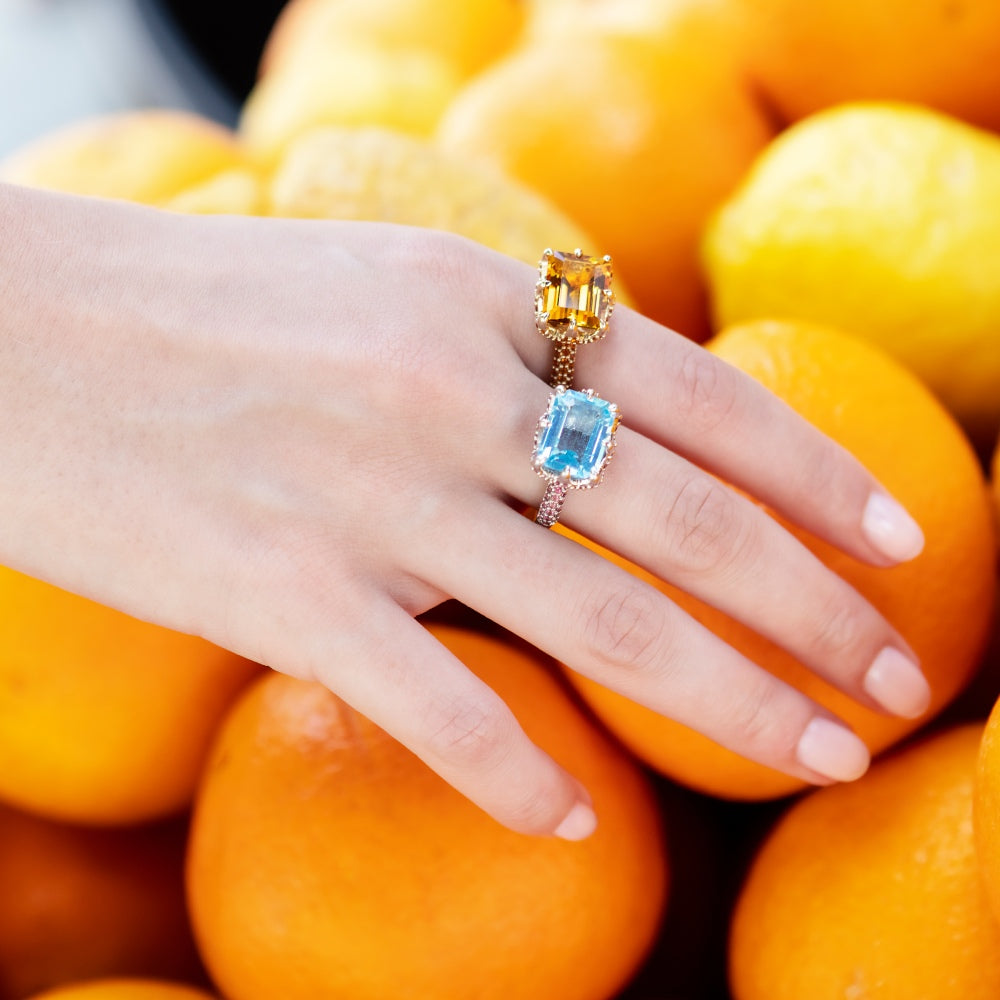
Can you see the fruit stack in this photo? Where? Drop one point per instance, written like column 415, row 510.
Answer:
column 811, row 188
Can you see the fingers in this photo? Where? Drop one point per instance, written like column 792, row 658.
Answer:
column 678, row 394
column 681, row 396
column 398, row 675
column 687, row 527
column 612, row 627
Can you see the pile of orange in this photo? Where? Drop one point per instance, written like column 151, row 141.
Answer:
column 177, row 823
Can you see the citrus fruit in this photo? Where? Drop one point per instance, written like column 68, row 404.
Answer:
column 636, row 139
column 809, row 56
column 556, row 21
column 941, row 601
column 872, row 889
column 375, row 174
column 82, row 902
column 995, row 481
column 103, row 718
column 327, row 860
column 883, row 220
column 124, row 989
column 146, row 156
column 239, row 191
column 350, row 84
column 465, row 34
column 987, row 809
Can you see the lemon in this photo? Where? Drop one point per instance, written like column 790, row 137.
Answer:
column 379, row 175
column 351, row 85
column 882, row 219
column 231, row 192
column 147, row 156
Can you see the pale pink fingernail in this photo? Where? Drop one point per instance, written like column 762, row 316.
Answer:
column 897, row 684
column 832, row 750
column 890, row 528
column 580, row 823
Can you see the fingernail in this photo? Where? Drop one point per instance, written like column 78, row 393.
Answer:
column 890, row 528
column 897, row 684
column 580, row 823
column 833, row 751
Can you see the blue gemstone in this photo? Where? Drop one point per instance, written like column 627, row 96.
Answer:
column 575, row 437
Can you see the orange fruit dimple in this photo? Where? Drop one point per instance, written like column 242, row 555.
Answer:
column 872, row 889
column 81, row 902
column 103, row 718
column 638, row 140
column 941, row 601
column 327, row 860
column 125, row 989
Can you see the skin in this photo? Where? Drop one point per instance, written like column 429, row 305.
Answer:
column 291, row 437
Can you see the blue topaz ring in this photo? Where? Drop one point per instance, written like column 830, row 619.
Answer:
column 574, row 442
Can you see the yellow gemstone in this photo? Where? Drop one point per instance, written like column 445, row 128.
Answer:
column 574, row 297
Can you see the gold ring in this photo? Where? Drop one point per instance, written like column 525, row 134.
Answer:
column 574, row 442
column 573, row 303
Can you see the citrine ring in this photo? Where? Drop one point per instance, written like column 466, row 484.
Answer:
column 573, row 303
column 574, row 443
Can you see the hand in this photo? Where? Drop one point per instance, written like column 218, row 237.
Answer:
column 292, row 437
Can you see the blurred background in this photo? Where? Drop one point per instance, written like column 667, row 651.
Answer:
column 61, row 60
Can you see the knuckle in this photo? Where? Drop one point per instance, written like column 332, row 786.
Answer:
column 706, row 390
column 471, row 733
column 762, row 727
column 702, row 526
column 625, row 629
column 836, row 628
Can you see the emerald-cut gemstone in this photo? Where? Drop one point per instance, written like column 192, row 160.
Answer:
column 574, row 297
column 575, row 438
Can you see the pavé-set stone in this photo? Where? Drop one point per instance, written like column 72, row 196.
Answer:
column 575, row 438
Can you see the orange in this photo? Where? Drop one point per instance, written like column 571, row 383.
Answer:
column 809, row 56
column 637, row 138
column 872, row 889
column 941, row 601
column 103, row 718
column 327, row 860
column 146, row 156
column 987, row 809
column 466, row 34
column 80, row 902
column 392, row 63
column 995, row 481
column 125, row 989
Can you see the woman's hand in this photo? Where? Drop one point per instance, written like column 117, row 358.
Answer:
column 292, row 437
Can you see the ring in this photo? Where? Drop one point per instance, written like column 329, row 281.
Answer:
column 574, row 442
column 573, row 303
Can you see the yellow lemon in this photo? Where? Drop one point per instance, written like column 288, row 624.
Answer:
column 378, row 175
column 240, row 191
column 146, row 156
column 346, row 84
column 883, row 219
